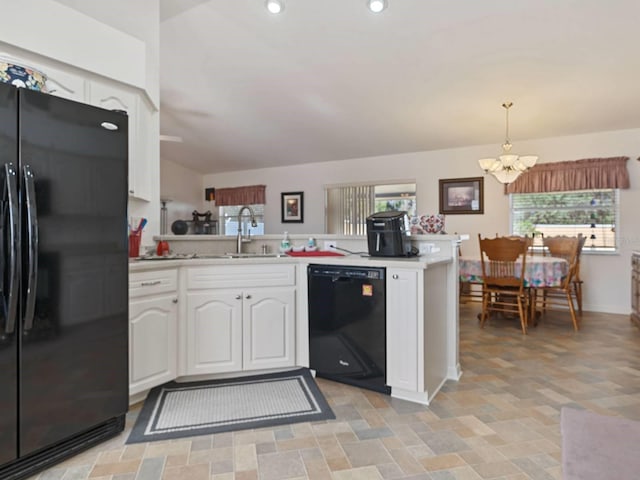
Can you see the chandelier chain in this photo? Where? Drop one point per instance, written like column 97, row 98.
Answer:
column 507, row 106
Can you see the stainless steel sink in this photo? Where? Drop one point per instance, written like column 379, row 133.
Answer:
column 213, row 255
column 240, row 255
column 255, row 255
column 180, row 256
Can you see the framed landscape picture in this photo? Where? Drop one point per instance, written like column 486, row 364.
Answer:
column 462, row 196
column 292, row 207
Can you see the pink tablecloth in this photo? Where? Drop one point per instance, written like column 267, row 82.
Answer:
column 540, row 271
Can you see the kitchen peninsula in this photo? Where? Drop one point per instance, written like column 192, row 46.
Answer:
column 204, row 317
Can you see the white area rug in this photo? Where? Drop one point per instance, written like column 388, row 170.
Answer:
column 177, row 410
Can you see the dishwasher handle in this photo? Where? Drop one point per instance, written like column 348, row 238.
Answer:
column 341, row 279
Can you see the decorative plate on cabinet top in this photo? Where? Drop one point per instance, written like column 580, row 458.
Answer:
column 22, row 76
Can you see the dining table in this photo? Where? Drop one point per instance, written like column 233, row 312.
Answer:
column 540, row 271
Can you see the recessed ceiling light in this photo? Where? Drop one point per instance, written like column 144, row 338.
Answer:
column 376, row 6
column 274, row 6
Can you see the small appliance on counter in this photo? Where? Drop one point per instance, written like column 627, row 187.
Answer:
column 387, row 234
column 201, row 223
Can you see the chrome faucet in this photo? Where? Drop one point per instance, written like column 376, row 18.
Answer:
column 240, row 239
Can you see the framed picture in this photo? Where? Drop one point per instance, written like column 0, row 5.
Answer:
column 462, row 195
column 292, row 207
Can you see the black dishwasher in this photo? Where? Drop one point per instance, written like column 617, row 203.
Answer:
column 347, row 325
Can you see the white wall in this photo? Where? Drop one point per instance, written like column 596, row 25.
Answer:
column 607, row 277
column 184, row 188
column 140, row 19
column 54, row 31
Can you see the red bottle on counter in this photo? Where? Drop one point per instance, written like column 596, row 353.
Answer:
column 163, row 248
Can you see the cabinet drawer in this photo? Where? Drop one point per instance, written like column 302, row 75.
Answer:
column 152, row 282
column 240, row 276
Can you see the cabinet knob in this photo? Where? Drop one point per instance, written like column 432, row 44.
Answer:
column 248, row 296
column 132, row 191
column 394, row 276
column 238, row 297
column 175, row 300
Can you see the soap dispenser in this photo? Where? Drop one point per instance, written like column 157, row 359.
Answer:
column 285, row 245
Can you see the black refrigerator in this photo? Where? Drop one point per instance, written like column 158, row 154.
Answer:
column 63, row 278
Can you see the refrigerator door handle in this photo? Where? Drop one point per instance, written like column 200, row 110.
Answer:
column 32, row 239
column 14, row 245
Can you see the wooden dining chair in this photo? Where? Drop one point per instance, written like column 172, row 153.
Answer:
column 561, row 296
column 577, row 281
column 503, row 287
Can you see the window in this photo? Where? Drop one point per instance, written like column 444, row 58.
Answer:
column 229, row 220
column 593, row 213
column 348, row 206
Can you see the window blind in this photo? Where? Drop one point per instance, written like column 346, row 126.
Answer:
column 356, row 204
column 593, row 213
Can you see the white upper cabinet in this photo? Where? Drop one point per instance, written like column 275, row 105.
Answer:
column 111, row 97
column 66, row 85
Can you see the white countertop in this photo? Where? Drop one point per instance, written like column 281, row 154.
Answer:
column 420, row 262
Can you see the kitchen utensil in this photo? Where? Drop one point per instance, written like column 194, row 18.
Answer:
column 134, row 245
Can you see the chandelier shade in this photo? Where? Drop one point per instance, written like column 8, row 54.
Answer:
column 508, row 166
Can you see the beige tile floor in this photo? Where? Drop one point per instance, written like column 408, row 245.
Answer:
column 499, row 422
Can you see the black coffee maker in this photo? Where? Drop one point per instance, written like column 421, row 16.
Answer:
column 387, row 234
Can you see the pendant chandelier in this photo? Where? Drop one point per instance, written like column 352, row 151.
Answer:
column 508, row 166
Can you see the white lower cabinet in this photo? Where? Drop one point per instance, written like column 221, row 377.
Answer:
column 214, row 332
column 236, row 329
column 416, row 332
column 153, row 329
column 402, row 329
column 268, row 322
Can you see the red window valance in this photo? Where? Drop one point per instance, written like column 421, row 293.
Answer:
column 586, row 174
column 249, row 195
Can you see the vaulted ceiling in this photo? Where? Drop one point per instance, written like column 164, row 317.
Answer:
column 329, row 80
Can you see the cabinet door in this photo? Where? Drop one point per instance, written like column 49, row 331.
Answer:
column 268, row 318
column 148, row 148
column 214, row 332
column 635, row 287
column 112, row 98
column 65, row 85
column 402, row 329
column 153, row 323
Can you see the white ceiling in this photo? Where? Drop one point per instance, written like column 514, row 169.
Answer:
column 329, row 80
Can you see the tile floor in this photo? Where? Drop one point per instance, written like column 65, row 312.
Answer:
column 499, row 422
